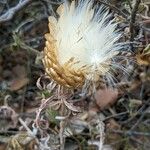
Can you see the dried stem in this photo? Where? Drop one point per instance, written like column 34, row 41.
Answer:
column 101, row 141
column 132, row 20
column 61, row 134
column 114, row 8
column 12, row 11
column 129, row 133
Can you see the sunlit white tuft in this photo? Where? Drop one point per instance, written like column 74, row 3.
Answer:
column 87, row 34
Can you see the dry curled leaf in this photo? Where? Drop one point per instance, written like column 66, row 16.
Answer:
column 22, row 141
column 8, row 118
column 106, row 97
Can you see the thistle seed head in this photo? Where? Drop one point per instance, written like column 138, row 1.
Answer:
column 81, row 43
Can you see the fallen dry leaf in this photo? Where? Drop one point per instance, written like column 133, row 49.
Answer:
column 134, row 85
column 20, row 78
column 19, row 71
column 17, row 84
column 112, row 125
column 2, row 146
column 143, row 58
column 106, row 97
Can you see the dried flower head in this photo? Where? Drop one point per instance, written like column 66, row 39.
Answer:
column 81, row 44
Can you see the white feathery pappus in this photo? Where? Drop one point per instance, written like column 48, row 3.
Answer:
column 86, row 42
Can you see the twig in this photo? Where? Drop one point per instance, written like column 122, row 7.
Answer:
column 129, row 3
column 116, row 115
column 146, row 145
column 26, row 127
column 54, row 2
column 131, row 133
column 23, row 45
column 147, row 18
column 132, row 20
column 140, row 111
column 146, row 29
column 102, row 134
column 114, row 8
column 61, row 134
column 138, row 121
column 12, row 11
column 8, row 133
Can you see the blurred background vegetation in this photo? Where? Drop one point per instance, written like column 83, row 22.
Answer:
column 23, row 24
